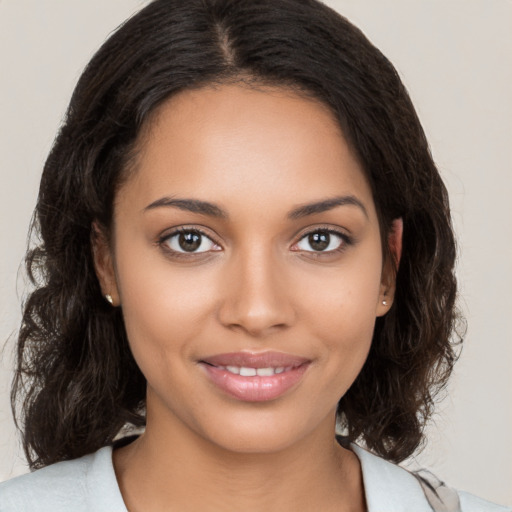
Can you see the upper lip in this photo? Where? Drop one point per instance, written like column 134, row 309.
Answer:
column 267, row 359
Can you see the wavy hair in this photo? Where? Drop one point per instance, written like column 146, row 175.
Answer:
column 77, row 385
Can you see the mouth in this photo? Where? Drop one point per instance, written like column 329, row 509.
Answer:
column 255, row 377
column 246, row 371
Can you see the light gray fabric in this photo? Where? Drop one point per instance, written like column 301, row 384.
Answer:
column 89, row 484
column 440, row 497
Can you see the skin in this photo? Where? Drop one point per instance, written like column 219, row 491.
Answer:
column 258, row 285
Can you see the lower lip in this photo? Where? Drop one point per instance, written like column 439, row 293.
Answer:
column 256, row 388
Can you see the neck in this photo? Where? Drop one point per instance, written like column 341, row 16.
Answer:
column 176, row 468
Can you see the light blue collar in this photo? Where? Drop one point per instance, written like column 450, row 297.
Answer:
column 389, row 487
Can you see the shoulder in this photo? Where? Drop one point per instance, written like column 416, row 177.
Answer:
column 50, row 488
column 83, row 484
column 391, row 487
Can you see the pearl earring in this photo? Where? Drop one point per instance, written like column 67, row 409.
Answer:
column 384, row 302
column 109, row 299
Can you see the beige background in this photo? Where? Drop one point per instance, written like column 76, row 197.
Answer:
column 454, row 56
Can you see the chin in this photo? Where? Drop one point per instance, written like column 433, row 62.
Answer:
column 254, row 443
column 262, row 433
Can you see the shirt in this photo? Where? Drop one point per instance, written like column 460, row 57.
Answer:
column 89, row 484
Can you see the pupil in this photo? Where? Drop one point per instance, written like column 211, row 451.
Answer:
column 319, row 241
column 189, row 241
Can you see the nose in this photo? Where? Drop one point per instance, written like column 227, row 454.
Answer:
column 256, row 296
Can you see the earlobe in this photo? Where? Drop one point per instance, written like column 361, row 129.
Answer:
column 104, row 264
column 388, row 283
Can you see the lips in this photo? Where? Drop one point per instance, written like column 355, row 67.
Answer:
column 255, row 377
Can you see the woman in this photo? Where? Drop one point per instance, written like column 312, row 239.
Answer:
column 244, row 241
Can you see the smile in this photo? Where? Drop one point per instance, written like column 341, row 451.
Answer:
column 253, row 377
column 244, row 371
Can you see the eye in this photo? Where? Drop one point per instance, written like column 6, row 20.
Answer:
column 189, row 241
column 322, row 240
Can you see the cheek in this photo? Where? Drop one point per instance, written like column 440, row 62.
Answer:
column 340, row 310
column 163, row 306
column 344, row 297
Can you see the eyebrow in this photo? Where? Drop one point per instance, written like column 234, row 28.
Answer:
column 212, row 210
column 326, row 205
column 190, row 205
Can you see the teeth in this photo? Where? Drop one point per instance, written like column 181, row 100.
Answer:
column 252, row 372
column 265, row 372
column 247, row 372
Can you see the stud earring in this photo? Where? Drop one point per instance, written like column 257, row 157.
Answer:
column 109, row 299
column 384, row 302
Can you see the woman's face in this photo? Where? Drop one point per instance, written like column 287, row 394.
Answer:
column 247, row 261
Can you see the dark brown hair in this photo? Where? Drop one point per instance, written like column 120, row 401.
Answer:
column 77, row 384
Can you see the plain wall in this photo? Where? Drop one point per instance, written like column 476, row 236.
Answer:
column 455, row 58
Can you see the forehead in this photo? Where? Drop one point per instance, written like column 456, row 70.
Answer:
column 268, row 144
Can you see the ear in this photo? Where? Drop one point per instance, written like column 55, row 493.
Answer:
column 390, row 268
column 104, row 263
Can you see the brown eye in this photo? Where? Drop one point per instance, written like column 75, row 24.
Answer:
column 321, row 241
column 190, row 241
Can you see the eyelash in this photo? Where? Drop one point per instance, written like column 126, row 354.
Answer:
column 346, row 241
column 162, row 242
